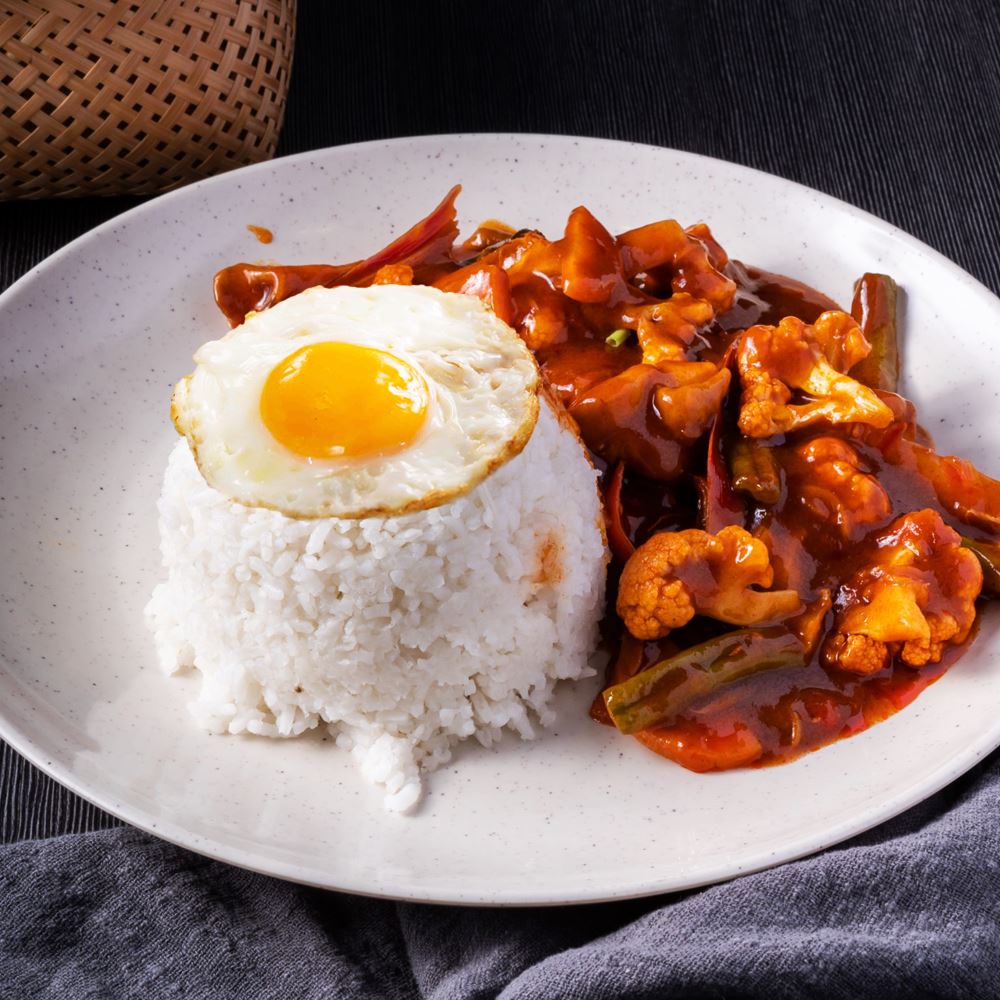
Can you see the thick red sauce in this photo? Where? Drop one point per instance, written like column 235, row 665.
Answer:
column 263, row 235
column 565, row 297
column 776, row 716
column 773, row 716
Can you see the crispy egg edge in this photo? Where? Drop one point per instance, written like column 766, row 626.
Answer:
column 435, row 498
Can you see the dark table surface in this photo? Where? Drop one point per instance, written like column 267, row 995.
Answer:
column 894, row 107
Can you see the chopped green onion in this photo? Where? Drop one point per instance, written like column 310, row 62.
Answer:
column 618, row 337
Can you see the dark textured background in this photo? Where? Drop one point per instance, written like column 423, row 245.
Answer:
column 892, row 106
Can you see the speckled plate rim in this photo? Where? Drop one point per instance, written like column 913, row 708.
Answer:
column 975, row 750
column 797, row 850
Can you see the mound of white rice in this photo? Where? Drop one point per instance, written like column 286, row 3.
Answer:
column 402, row 634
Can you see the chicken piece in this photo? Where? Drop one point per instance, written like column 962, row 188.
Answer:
column 485, row 281
column 775, row 360
column 591, row 265
column 649, row 417
column 688, row 407
column 717, row 256
column 592, row 279
column 677, row 574
column 827, row 476
column 916, row 597
column 692, row 257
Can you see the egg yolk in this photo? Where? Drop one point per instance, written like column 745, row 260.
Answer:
column 332, row 400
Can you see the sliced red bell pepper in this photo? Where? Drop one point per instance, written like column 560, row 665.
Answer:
column 621, row 545
column 243, row 288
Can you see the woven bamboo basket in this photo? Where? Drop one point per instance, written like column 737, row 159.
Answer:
column 101, row 97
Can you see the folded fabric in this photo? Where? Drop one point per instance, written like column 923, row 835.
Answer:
column 912, row 908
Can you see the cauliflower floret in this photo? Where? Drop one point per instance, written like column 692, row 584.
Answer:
column 831, row 483
column 678, row 574
column 840, row 338
column 916, row 597
column 855, row 653
column 775, row 360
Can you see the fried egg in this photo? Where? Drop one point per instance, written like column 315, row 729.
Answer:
column 352, row 402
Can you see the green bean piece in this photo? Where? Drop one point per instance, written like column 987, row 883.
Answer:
column 754, row 471
column 988, row 554
column 874, row 307
column 654, row 697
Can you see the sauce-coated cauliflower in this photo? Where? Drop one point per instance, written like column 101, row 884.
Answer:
column 831, row 482
column 917, row 596
column 700, row 288
column 678, row 574
column 776, row 360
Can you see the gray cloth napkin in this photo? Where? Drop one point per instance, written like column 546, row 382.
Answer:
column 912, row 908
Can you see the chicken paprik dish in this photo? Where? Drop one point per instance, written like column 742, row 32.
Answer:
column 792, row 561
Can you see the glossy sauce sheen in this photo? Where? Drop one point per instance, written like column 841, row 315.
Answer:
column 771, row 717
column 564, row 297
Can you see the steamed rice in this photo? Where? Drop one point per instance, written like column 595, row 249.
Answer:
column 402, row 634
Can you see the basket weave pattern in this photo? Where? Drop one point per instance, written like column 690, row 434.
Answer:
column 110, row 97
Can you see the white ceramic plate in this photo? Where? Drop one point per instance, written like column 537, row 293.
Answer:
column 92, row 341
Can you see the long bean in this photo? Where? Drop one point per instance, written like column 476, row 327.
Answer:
column 988, row 555
column 874, row 307
column 657, row 695
column 755, row 471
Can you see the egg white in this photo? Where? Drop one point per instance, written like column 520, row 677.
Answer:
column 482, row 382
